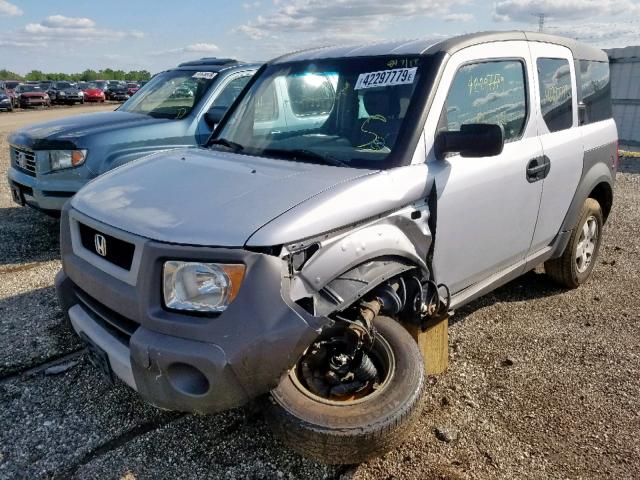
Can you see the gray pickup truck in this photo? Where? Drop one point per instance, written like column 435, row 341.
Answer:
column 178, row 108
column 347, row 192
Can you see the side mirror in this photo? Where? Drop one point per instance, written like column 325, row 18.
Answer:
column 473, row 140
column 214, row 115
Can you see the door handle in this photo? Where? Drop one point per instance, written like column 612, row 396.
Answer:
column 538, row 168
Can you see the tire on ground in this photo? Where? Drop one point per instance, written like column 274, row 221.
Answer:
column 347, row 434
column 564, row 269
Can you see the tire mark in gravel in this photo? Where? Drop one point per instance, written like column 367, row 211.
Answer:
column 135, row 432
column 115, row 443
column 22, row 267
column 29, row 370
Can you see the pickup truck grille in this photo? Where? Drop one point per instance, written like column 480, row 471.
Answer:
column 117, row 325
column 110, row 248
column 23, row 159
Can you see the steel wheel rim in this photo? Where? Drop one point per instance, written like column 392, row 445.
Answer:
column 380, row 349
column 586, row 244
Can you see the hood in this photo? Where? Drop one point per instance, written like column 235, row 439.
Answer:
column 67, row 90
column 33, row 94
column 93, row 91
column 66, row 132
column 204, row 197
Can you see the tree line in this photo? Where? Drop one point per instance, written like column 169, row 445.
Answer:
column 87, row 75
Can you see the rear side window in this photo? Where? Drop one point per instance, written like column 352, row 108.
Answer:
column 595, row 89
column 556, row 96
column 488, row 92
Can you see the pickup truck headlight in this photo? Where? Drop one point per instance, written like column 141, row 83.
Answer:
column 201, row 287
column 60, row 159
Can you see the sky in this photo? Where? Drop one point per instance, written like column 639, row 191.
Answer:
column 73, row 35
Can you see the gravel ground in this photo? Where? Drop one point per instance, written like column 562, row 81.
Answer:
column 543, row 383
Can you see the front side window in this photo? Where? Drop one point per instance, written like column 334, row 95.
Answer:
column 595, row 88
column 556, row 97
column 490, row 92
column 170, row 94
column 344, row 111
column 230, row 92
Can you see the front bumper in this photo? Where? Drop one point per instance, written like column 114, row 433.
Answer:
column 42, row 194
column 177, row 361
column 33, row 102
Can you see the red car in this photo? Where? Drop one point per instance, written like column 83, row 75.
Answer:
column 32, row 96
column 132, row 88
column 92, row 93
column 9, row 90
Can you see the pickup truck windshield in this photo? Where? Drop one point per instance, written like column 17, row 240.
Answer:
column 343, row 112
column 170, row 94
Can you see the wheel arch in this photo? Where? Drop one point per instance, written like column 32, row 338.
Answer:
column 603, row 194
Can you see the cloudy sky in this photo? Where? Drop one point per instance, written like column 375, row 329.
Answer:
column 70, row 36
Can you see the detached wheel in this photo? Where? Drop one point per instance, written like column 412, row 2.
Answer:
column 575, row 265
column 332, row 423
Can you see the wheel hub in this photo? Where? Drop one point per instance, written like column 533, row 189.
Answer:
column 339, row 369
column 586, row 244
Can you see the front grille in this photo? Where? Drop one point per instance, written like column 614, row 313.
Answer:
column 119, row 326
column 24, row 160
column 112, row 249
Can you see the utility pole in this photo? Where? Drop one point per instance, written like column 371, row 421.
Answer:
column 540, row 21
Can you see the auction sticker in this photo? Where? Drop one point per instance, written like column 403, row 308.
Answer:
column 386, row 78
column 207, row 75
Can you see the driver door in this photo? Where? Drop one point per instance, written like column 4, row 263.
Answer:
column 486, row 207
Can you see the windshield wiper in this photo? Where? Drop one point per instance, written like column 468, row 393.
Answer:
column 227, row 143
column 304, row 154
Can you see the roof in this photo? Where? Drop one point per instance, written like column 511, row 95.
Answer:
column 449, row 46
column 213, row 64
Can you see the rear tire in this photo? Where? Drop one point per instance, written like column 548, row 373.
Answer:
column 337, row 432
column 575, row 265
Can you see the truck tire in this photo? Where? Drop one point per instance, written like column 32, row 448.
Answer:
column 339, row 432
column 575, row 265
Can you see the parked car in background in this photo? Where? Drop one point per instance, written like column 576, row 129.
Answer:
column 6, row 102
column 9, row 90
column 117, row 93
column 92, row 93
column 67, row 153
column 65, row 93
column 11, row 84
column 102, row 85
column 31, row 95
column 132, row 88
column 46, row 85
column 289, row 257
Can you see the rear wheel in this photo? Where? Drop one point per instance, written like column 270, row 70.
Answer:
column 338, row 413
column 575, row 265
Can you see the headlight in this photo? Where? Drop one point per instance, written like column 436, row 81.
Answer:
column 60, row 159
column 201, row 287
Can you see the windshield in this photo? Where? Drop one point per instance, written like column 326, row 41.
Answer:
column 30, row 88
column 11, row 85
column 170, row 94
column 346, row 111
column 62, row 85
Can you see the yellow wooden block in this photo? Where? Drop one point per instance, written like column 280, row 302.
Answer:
column 434, row 344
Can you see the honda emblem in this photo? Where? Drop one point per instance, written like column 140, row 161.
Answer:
column 101, row 244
